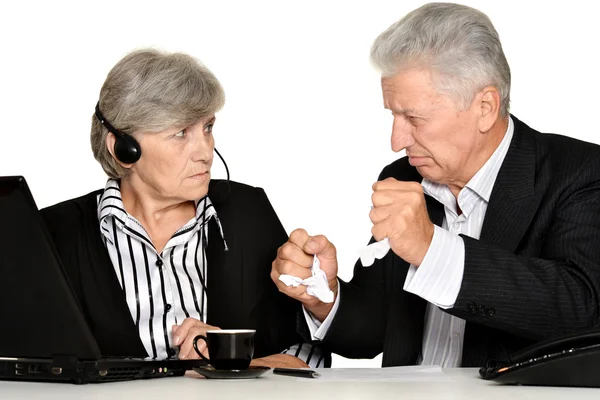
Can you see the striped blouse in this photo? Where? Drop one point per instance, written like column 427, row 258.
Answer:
column 162, row 289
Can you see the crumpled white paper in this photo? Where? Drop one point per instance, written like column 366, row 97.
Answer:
column 376, row 250
column 316, row 285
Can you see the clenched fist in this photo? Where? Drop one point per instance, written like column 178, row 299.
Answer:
column 399, row 213
column 295, row 257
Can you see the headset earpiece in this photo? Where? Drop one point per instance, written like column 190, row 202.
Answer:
column 127, row 149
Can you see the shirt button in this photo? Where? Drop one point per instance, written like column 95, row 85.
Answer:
column 171, row 352
column 168, row 307
column 159, row 262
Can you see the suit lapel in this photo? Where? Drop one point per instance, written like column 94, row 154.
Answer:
column 405, row 330
column 435, row 209
column 103, row 296
column 224, row 280
column 513, row 201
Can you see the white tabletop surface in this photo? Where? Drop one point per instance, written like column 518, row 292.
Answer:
column 461, row 384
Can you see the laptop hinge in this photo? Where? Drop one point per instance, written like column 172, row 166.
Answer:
column 65, row 360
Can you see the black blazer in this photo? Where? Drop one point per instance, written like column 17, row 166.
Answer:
column 533, row 274
column 240, row 292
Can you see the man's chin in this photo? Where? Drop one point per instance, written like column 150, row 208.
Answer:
column 428, row 173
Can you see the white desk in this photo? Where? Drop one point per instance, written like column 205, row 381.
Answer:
column 463, row 384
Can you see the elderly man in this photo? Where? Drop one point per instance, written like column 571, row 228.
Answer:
column 494, row 228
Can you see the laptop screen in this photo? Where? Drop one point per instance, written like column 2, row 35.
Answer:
column 39, row 313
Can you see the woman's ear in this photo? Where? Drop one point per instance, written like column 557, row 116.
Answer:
column 110, row 146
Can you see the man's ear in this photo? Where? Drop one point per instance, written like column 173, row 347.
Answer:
column 489, row 107
column 110, row 146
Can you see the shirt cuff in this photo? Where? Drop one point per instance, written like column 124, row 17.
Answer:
column 312, row 355
column 319, row 329
column 439, row 277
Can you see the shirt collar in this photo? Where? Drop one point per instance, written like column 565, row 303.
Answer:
column 482, row 182
column 111, row 204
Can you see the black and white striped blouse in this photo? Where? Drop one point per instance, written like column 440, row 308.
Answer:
column 162, row 289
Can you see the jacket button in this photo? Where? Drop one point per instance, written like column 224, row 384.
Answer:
column 472, row 308
column 490, row 312
column 481, row 310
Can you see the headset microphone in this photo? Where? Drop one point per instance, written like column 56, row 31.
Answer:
column 128, row 150
column 224, row 163
column 222, row 188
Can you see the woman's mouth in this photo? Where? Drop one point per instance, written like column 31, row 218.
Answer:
column 201, row 176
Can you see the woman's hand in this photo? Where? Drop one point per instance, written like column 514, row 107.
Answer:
column 184, row 334
column 279, row 361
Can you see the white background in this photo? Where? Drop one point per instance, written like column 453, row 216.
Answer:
column 303, row 117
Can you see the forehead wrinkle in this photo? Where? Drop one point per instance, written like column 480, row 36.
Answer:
column 425, row 105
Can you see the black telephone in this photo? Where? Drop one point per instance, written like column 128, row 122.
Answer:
column 571, row 360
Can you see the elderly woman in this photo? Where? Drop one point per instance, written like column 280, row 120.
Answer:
column 163, row 253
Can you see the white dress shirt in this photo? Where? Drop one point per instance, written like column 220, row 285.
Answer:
column 439, row 277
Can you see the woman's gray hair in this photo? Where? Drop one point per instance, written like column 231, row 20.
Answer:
column 150, row 91
column 458, row 42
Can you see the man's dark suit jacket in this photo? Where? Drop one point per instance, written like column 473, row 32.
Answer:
column 240, row 292
column 534, row 272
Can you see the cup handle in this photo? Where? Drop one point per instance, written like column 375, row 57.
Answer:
column 202, row 356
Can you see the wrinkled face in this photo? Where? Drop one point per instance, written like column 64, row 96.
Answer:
column 175, row 163
column 439, row 139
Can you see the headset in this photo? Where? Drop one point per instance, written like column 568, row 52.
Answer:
column 127, row 149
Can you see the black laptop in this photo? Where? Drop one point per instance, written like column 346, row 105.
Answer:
column 43, row 332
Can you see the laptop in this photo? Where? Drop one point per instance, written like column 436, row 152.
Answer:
column 43, row 334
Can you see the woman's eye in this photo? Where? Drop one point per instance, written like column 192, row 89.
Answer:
column 208, row 128
column 181, row 133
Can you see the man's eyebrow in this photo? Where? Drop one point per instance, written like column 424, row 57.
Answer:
column 402, row 110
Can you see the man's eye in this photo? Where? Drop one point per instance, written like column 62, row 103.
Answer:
column 181, row 133
column 208, row 128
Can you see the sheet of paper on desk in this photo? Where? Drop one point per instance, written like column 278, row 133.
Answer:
column 416, row 373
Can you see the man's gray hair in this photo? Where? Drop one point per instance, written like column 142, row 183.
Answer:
column 150, row 91
column 458, row 42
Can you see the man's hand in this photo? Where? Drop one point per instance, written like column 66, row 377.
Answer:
column 400, row 214
column 184, row 334
column 295, row 258
column 279, row 361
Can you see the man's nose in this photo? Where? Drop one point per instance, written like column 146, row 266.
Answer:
column 402, row 134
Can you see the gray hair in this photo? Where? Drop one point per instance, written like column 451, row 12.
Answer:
column 150, row 91
column 458, row 42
